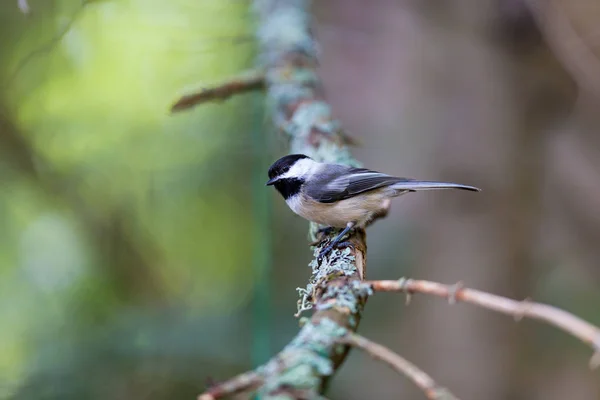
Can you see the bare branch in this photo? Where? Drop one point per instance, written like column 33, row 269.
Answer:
column 431, row 389
column 238, row 384
column 221, row 92
column 583, row 330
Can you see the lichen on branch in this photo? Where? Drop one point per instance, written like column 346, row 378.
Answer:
column 288, row 55
column 337, row 290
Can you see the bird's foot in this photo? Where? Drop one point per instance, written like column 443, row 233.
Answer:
column 333, row 245
column 325, row 251
column 321, row 235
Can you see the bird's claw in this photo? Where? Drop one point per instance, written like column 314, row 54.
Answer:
column 337, row 242
column 324, row 252
column 321, row 235
column 329, row 248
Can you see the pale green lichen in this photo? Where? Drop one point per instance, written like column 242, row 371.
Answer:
column 284, row 28
column 337, row 260
column 301, row 374
column 340, row 262
column 337, row 263
column 304, row 303
column 332, row 152
column 304, row 361
column 362, row 289
column 288, row 53
column 344, row 298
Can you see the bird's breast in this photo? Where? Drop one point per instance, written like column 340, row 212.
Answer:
column 358, row 209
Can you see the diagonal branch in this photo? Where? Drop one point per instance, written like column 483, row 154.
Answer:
column 238, row 384
column 583, row 330
column 303, row 367
column 431, row 389
column 221, row 92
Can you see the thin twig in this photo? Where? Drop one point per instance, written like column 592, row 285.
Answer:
column 581, row 329
column 431, row 389
column 237, row 85
column 237, row 384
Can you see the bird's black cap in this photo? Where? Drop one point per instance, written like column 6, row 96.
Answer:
column 283, row 165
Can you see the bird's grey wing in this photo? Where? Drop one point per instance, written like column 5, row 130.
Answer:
column 343, row 184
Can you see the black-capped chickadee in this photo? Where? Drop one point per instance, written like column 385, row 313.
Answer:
column 339, row 196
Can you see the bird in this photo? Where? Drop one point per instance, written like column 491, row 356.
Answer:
column 340, row 196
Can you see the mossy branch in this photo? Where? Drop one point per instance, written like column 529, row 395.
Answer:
column 337, row 290
column 289, row 59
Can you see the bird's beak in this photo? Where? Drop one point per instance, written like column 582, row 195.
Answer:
column 272, row 181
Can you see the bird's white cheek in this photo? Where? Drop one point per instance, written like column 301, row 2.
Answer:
column 294, row 203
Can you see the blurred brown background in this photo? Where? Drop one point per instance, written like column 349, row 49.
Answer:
column 140, row 252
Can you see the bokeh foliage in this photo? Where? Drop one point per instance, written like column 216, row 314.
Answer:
column 123, row 227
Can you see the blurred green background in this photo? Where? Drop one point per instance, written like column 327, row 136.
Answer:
column 141, row 255
column 127, row 236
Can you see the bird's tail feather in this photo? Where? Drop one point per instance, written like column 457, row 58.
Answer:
column 430, row 185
